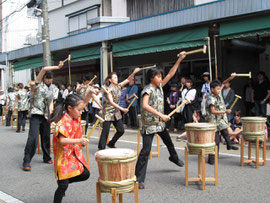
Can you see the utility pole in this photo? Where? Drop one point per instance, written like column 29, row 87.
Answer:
column 45, row 34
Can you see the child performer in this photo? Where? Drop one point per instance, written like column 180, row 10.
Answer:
column 112, row 109
column 216, row 113
column 70, row 165
column 153, row 119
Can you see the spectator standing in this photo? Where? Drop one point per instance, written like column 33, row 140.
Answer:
column 96, row 107
column 248, row 89
column 172, row 101
column 228, row 96
column 132, row 91
column 261, row 94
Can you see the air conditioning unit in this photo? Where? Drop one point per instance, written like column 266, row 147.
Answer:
column 31, row 40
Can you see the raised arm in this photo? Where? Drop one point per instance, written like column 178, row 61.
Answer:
column 173, row 70
column 233, row 75
column 48, row 68
column 126, row 81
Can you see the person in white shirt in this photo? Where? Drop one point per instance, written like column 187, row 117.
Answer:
column 190, row 94
column 67, row 91
column 96, row 107
column 206, row 91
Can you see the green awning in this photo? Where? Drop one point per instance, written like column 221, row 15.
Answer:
column 28, row 64
column 245, row 28
column 85, row 54
column 162, row 42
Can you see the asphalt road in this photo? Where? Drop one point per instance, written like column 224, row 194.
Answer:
column 165, row 182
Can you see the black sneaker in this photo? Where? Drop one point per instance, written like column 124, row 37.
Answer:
column 141, row 185
column 211, row 159
column 111, row 146
column 26, row 166
column 233, row 147
column 178, row 162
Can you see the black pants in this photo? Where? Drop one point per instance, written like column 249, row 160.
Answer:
column 133, row 117
column 38, row 125
column 142, row 161
column 124, row 117
column 8, row 118
column 63, row 185
column 84, row 116
column 105, row 132
column 175, row 120
column 226, row 137
column 95, row 111
column 22, row 115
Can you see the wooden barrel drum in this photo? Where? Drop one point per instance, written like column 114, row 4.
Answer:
column 253, row 127
column 201, row 136
column 116, row 169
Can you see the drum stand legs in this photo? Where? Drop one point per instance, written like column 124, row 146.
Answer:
column 257, row 160
column 114, row 194
column 201, row 170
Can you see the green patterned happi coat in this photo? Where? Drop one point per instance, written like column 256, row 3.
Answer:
column 220, row 120
column 23, row 104
column 42, row 98
column 111, row 113
column 150, row 122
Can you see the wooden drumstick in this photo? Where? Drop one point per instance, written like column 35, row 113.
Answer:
column 135, row 97
column 69, row 72
column 235, row 100
column 67, row 59
column 105, row 90
column 203, row 50
column 180, row 106
column 243, row 74
column 92, row 79
column 99, row 119
column 148, row 67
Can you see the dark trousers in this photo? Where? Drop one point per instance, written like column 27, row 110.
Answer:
column 84, row 116
column 38, row 125
column 105, row 132
column 63, row 185
column 95, row 111
column 22, row 115
column 124, row 118
column 142, row 161
column 8, row 118
column 175, row 120
column 226, row 137
column 133, row 116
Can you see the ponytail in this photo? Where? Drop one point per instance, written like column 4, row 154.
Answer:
column 62, row 108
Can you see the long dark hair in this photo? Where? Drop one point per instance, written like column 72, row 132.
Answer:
column 107, row 80
column 71, row 100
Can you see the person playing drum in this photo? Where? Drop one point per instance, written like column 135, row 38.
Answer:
column 69, row 163
column 112, row 109
column 153, row 119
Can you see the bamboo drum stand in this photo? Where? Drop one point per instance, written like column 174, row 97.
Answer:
column 201, row 169
column 114, row 194
column 257, row 160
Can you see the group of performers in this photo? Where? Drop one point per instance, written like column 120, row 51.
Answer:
column 70, row 165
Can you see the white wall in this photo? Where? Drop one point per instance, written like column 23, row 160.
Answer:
column 197, row 2
column 119, row 8
column 22, row 76
column 58, row 23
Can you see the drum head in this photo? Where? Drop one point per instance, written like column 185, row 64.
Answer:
column 253, row 119
column 200, row 126
column 118, row 153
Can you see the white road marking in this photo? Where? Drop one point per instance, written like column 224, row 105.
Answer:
column 180, row 148
column 8, row 199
